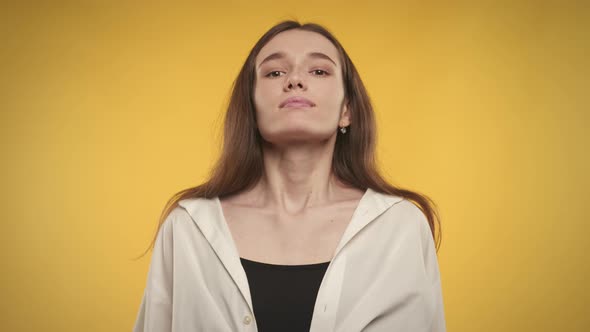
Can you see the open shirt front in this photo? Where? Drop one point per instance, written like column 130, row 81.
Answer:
column 384, row 274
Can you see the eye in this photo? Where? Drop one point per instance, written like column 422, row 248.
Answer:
column 274, row 73
column 320, row 72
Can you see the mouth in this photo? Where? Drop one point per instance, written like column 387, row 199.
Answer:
column 296, row 102
column 296, row 105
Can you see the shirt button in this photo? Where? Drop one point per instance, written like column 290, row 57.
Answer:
column 247, row 320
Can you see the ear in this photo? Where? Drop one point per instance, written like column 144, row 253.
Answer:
column 344, row 116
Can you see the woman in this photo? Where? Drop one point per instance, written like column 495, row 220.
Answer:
column 295, row 230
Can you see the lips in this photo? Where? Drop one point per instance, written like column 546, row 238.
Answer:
column 296, row 102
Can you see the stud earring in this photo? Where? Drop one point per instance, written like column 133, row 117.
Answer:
column 343, row 130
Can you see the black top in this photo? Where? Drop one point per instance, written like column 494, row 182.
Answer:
column 283, row 296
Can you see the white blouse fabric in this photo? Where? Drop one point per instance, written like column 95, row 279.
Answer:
column 384, row 274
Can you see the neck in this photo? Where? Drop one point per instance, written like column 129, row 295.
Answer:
column 297, row 177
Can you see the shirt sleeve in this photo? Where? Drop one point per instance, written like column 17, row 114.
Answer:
column 438, row 323
column 155, row 311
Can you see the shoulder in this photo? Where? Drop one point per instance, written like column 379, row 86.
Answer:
column 412, row 224
column 190, row 207
column 177, row 214
column 183, row 213
column 407, row 209
column 406, row 215
column 410, row 228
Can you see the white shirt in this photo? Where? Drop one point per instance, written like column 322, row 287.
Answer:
column 384, row 275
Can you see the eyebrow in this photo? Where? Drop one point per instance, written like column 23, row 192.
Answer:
column 281, row 55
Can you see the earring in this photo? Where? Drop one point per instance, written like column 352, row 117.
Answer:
column 343, row 130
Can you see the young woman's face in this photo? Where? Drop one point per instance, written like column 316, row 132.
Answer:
column 305, row 65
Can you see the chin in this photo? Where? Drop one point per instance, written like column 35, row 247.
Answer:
column 296, row 135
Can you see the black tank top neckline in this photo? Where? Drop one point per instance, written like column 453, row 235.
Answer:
column 281, row 266
column 283, row 296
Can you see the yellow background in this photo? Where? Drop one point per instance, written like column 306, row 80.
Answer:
column 107, row 109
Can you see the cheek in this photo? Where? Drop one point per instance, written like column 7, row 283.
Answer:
column 265, row 95
column 330, row 90
column 332, row 101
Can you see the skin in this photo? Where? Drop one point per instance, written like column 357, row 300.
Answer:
column 298, row 211
column 300, row 142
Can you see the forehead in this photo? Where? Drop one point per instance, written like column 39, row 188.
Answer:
column 296, row 43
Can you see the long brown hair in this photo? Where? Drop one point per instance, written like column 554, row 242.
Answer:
column 240, row 165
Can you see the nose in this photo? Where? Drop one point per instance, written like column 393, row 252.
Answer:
column 294, row 81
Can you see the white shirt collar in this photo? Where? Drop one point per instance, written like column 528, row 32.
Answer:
column 208, row 216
